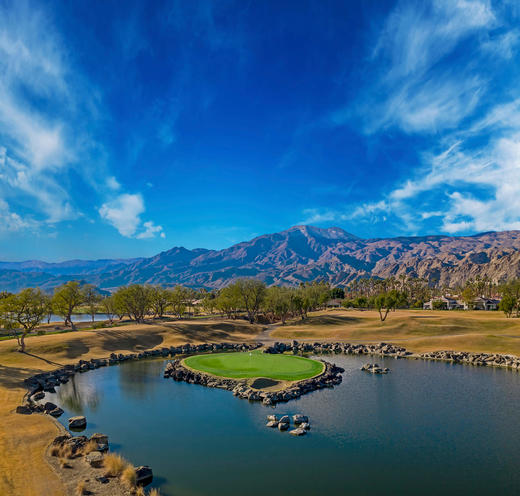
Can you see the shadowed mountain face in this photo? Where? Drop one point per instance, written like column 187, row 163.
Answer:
column 302, row 253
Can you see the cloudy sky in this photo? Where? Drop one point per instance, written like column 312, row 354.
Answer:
column 128, row 128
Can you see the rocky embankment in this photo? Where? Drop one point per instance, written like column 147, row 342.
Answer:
column 477, row 359
column 330, row 376
column 39, row 384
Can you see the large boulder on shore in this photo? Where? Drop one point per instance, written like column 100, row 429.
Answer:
column 24, row 409
column 94, row 459
column 79, row 422
column 144, row 475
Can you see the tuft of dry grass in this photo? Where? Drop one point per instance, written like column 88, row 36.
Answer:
column 66, row 452
column 90, row 447
column 81, row 488
column 139, row 491
column 154, row 492
column 129, row 477
column 114, row 465
column 64, row 463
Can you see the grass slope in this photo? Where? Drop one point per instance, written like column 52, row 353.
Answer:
column 256, row 364
column 417, row 330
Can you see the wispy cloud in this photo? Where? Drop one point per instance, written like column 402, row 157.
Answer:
column 439, row 64
column 48, row 118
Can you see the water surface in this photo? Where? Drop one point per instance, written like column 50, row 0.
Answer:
column 425, row 428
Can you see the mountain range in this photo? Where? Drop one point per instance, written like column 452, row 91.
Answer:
column 301, row 253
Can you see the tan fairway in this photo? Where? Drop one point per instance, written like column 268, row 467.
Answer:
column 417, row 330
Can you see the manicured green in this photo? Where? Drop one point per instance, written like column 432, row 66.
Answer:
column 256, row 364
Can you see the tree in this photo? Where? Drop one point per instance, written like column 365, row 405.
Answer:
column 91, row 298
column 252, row 293
column 384, row 302
column 278, row 302
column 160, row 299
column 338, row 293
column 507, row 304
column 135, row 300
column 177, row 299
column 228, row 301
column 108, row 304
column 22, row 313
column 66, row 298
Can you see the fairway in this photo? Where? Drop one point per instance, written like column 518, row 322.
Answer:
column 255, row 364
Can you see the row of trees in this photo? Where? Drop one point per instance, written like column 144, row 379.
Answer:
column 21, row 313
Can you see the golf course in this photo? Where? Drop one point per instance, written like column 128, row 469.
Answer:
column 255, row 364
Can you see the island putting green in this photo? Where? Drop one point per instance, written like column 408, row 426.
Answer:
column 256, row 364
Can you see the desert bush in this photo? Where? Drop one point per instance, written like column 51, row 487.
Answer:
column 114, row 465
column 128, row 476
column 90, row 447
column 66, row 452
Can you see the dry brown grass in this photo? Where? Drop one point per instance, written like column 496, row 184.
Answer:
column 139, row 491
column 81, row 488
column 90, row 447
column 114, row 465
column 417, row 330
column 64, row 463
column 24, row 438
column 129, row 477
column 154, row 492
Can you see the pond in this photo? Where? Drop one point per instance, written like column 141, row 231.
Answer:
column 81, row 317
column 425, row 428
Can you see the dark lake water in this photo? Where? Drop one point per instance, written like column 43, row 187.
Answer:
column 425, row 428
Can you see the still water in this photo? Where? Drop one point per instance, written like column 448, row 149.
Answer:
column 425, row 428
column 81, row 317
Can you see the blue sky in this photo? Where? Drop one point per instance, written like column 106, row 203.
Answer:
column 129, row 128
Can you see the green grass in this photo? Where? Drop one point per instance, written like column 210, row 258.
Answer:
column 256, row 364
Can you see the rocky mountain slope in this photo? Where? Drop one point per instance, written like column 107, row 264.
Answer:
column 301, row 253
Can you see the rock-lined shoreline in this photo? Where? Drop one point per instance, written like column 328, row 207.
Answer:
column 329, row 377
column 48, row 381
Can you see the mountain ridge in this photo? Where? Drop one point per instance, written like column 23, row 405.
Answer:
column 298, row 254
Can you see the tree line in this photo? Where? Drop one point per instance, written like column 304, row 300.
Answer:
column 23, row 312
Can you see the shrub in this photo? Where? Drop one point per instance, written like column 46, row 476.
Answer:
column 114, row 464
column 66, row 452
column 128, row 476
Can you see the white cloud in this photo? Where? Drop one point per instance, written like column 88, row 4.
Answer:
column 414, row 91
column 112, row 183
column 124, row 213
column 150, row 231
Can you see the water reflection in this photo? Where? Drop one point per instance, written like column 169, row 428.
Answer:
column 79, row 395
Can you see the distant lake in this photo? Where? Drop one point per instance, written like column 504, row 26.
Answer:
column 426, row 428
column 80, row 318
